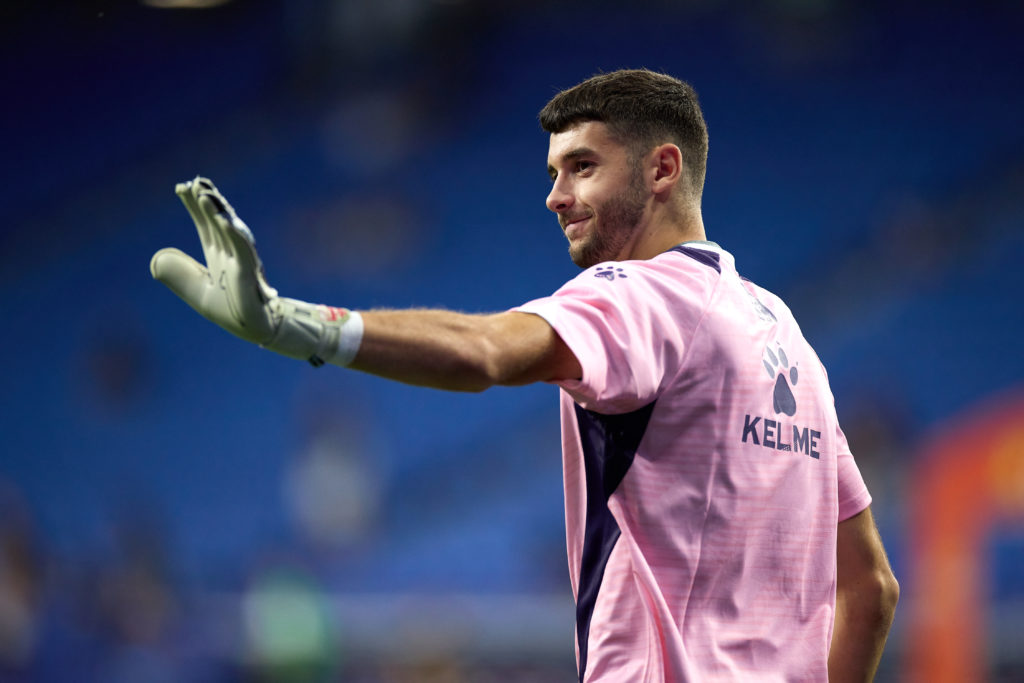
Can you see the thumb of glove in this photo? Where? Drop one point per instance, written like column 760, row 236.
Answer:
column 182, row 274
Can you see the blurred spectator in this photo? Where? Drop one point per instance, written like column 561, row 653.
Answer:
column 332, row 492
column 115, row 362
column 289, row 632
column 21, row 585
column 137, row 607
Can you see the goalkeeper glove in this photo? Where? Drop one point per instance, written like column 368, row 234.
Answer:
column 231, row 290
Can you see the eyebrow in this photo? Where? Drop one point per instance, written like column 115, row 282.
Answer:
column 571, row 155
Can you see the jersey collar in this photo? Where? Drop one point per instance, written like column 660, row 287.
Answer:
column 708, row 246
column 702, row 244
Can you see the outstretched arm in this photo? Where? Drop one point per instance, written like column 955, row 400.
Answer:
column 866, row 596
column 440, row 349
column 461, row 352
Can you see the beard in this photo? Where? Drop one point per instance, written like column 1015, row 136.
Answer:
column 615, row 222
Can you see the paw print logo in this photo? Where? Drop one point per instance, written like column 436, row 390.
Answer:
column 609, row 272
column 778, row 368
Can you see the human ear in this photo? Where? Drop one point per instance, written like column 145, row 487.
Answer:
column 667, row 163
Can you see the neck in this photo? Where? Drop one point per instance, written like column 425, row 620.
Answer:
column 665, row 230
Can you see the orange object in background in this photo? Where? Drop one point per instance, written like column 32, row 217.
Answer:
column 969, row 478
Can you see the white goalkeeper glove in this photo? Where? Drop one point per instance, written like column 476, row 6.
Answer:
column 231, row 289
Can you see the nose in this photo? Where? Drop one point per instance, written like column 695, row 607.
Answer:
column 559, row 199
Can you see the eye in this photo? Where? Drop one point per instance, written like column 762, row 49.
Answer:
column 583, row 166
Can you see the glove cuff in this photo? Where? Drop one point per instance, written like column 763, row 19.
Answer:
column 346, row 345
column 314, row 332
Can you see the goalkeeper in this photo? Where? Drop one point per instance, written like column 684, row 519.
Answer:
column 717, row 524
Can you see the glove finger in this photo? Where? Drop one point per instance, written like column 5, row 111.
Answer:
column 204, row 183
column 240, row 274
column 240, row 241
column 182, row 274
column 243, row 248
column 184, row 192
column 187, row 192
column 233, row 233
column 215, row 213
column 248, row 292
column 206, row 186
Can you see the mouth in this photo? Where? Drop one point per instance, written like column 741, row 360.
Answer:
column 573, row 226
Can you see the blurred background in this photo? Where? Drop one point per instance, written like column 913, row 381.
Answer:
column 176, row 505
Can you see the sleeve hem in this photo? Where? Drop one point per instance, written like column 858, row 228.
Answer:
column 854, row 506
column 577, row 388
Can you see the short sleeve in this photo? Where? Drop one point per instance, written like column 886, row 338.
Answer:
column 853, row 493
column 628, row 323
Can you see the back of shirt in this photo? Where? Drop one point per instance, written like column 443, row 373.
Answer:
column 705, row 474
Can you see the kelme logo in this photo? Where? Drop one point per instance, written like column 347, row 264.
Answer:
column 778, row 434
column 777, row 365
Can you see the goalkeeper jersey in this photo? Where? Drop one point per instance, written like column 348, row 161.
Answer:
column 705, row 473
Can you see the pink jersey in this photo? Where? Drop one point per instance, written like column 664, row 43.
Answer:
column 705, row 474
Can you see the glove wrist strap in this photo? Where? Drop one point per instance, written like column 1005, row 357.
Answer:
column 350, row 338
column 314, row 332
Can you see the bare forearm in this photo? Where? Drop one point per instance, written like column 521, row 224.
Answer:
column 460, row 352
column 862, row 623
column 440, row 349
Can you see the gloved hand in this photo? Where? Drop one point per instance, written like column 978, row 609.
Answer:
column 232, row 292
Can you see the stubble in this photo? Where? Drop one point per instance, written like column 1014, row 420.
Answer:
column 616, row 221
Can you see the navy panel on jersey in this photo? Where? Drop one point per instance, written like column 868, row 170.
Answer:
column 609, row 446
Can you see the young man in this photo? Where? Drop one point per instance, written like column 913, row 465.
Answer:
column 717, row 525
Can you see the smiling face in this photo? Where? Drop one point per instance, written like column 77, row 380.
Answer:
column 597, row 191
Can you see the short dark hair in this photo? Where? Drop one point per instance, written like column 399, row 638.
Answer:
column 642, row 109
